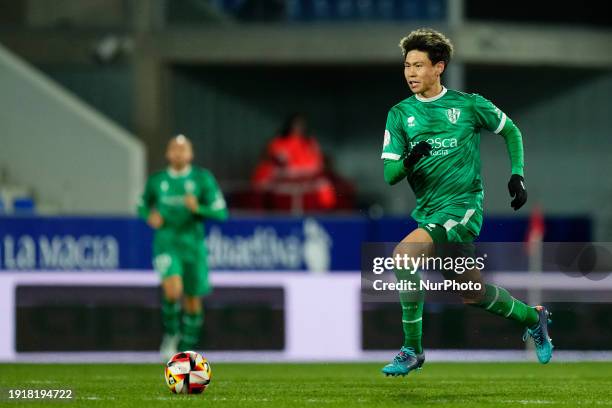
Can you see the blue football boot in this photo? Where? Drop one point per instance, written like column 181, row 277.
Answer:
column 404, row 362
column 539, row 334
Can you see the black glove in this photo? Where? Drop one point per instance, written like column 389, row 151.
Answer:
column 516, row 188
column 419, row 151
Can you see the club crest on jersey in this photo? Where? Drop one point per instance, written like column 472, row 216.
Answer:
column 453, row 114
column 410, row 121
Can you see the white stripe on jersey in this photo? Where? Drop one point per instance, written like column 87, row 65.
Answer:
column 391, row 156
column 501, row 124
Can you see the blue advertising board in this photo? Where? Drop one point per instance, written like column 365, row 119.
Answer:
column 240, row 244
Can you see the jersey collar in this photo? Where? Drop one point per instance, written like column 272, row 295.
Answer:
column 175, row 174
column 433, row 98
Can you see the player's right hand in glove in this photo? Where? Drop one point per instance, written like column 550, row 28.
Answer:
column 517, row 190
column 420, row 150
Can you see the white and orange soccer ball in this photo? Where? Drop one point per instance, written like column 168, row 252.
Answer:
column 187, row 372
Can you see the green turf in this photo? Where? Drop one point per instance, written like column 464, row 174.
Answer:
column 325, row 385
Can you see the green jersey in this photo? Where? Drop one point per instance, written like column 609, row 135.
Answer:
column 447, row 183
column 182, row 231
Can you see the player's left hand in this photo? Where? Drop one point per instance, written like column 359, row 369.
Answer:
column 422, row 149
column 516, row 188
column 191, row 202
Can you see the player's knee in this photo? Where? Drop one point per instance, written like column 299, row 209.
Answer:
column 398, row 250
column 172, row 295
column 173, row 290
column 192, row 304
column 417, row 243
column 473, row 297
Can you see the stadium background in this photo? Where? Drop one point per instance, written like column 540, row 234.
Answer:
column 92, row 91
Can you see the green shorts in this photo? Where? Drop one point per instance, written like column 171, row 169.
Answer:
column 454, row 231
column 193, row 271
column 457, row 225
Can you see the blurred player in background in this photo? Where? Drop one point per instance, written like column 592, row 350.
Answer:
column 175, row 202
column 432, row 139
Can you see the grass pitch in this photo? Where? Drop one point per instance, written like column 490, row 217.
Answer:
column 320, row 385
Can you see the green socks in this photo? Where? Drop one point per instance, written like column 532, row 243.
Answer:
column 498, row 301
column 192, row 325
column 412, row 323
column 412, row 311
column 171, row 313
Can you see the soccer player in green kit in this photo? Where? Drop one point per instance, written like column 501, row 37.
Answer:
column 175, row 202
column 432, row 139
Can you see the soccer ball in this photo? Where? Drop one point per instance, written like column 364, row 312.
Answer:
column 187, row 372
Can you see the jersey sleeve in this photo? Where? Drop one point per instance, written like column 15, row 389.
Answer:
column 147, row 199
column 212, row 202
column 394, row 142
column 488, row 116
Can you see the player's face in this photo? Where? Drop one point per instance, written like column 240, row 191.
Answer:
column 422, row 76
column 179, row 153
